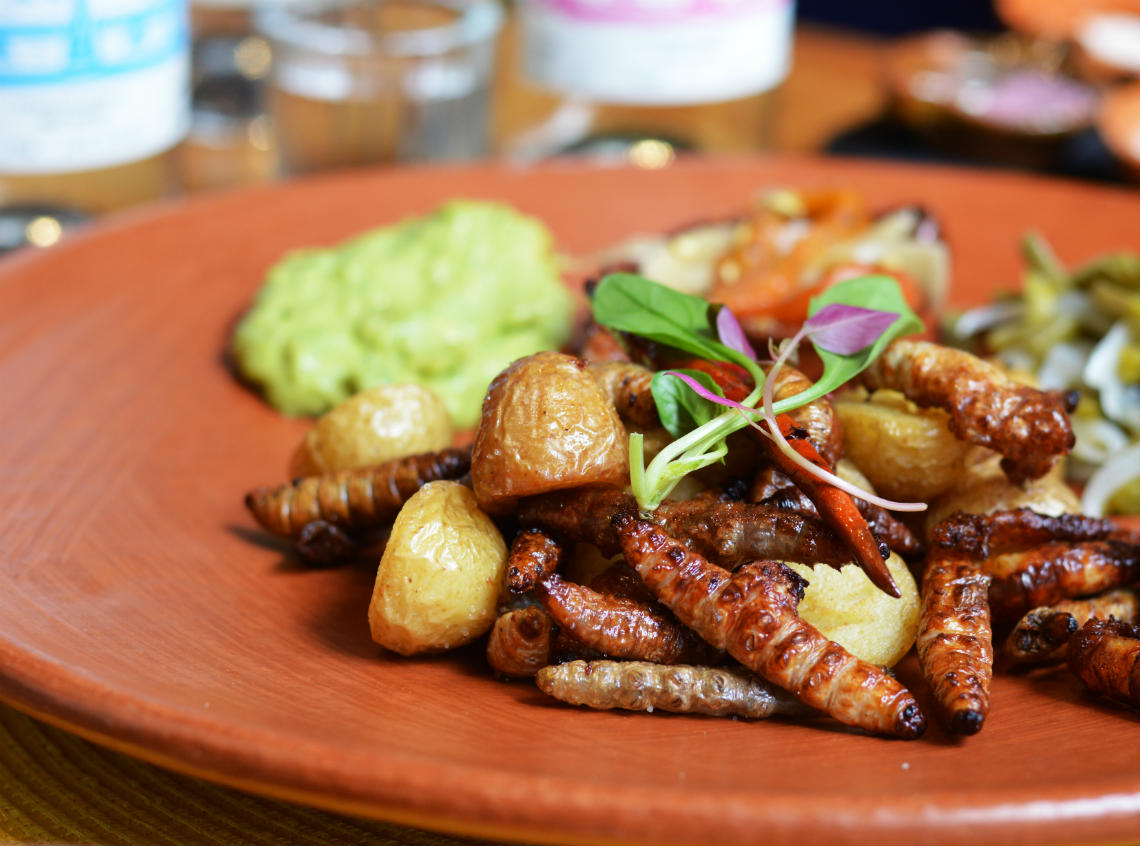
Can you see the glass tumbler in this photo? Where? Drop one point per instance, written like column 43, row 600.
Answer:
column 356, row 82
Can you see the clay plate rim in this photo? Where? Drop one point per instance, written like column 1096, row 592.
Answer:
column 480, row 800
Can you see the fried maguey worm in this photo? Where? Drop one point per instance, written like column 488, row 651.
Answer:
column 751, row 614
column 1105, row 655
column 1054, row 571
column 983, row 535
column 619, row 627
column 521, row 642
column 627, row 386
column 774, row 488
column 955, row 641
column 729, row 533
column 1027, row 426
column 680, row 688
column 834, row 505
column 353, row 500
column 1042, row 635
column 534, row 555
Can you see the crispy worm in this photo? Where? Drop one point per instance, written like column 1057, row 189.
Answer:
column 684, row 689
column 521, row 642
column 751, row 614
column 619, row 627
column 627, row 386
column 1055, row 571
column 353, row 500
column 1027, row 426
column 955, row 644
column 729, row 533
column 1105, row 655
column 983, row 535
column 1042, row 635
column 534, row 555
column 897, row 536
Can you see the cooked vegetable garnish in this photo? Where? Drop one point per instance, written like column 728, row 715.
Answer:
column 850, row 324
column 1077, row 329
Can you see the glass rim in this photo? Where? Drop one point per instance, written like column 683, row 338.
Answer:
column 295, row 24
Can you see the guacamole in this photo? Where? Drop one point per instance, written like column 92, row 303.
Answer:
column 446, row 301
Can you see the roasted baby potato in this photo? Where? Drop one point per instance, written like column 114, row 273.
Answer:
column 441, row 574
column 848, row 609
column 908, row 453
column 546, row 425
column 374, row 426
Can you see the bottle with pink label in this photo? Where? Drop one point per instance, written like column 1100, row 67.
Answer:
column 689, row 74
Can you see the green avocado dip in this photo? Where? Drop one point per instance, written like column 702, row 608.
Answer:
column 446, row 300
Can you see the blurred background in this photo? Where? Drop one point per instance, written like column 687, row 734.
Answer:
column 107, row 104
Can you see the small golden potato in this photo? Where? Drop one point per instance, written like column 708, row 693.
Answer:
column 908, row 453
column 441, row 574
column 984, row 488
column 546, row 425
column 374, row 426
column 848, row 609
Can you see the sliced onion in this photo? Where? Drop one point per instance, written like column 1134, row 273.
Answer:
column 1063, row 366
column 1120, row 402
column 983, row 317
column 1120, row 469
column 1097, row 439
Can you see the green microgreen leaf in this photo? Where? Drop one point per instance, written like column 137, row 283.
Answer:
column 631, row 303
column 681, row 409
column 880, row 293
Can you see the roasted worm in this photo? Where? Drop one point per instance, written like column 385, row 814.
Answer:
column 353, row 500
column 619, row 627
column 683, row 689
column 955, row 641
column 1105, row 655
column 1055, row 571
column 1027, row 426
column 1042, row 635
column 729, row 533
column 751, row 614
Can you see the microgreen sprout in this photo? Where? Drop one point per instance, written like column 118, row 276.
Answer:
column 850, row 324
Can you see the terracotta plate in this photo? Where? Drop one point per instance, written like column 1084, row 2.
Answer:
column 140, row 607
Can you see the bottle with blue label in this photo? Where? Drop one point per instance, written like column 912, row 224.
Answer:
column 94, row 97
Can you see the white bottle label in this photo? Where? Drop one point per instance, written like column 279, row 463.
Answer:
column 657, row 52
column 87, row 84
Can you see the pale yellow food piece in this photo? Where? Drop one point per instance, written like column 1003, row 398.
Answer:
column 984, row 488
column 906, row 452
column 441, row 574
column 546, row 425
column 848, row 609
column 586, row 561
column 374, row 426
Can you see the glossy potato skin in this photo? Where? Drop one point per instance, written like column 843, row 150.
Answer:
column 441, row 575
column 372, row 427
column 907, row 453
column 546, row 425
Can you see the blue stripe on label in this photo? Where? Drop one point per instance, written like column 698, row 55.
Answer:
column 89, row 47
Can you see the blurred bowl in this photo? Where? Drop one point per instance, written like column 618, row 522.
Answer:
column 1118, row 123
column 1003, row 99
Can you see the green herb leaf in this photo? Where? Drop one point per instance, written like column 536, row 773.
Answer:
column 680, row 408
column 880, row 293
column 631, row 303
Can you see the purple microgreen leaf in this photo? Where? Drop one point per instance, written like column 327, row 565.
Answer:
column 846, row 329
column 705, row 393
column 731, row 334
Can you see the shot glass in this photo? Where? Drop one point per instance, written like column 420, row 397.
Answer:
column 355, row 82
